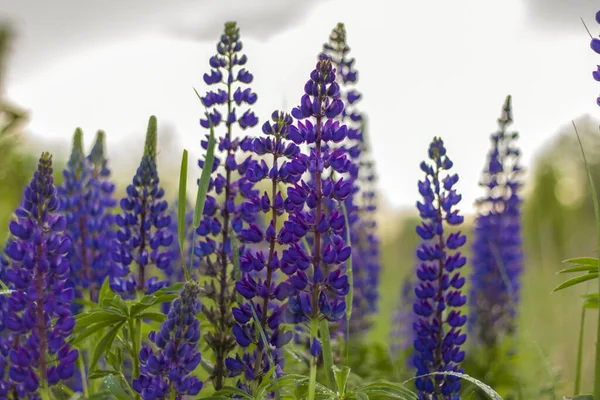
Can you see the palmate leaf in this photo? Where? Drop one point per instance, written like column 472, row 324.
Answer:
column 104, row 345
column 111, row 383
column 385, row 389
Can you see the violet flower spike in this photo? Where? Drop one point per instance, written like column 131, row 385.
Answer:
column 439, row 320
column 143, row 237
column 167, row 372
column 259, row 283
column 497, row 246
column 39, row 312
column 224, row 218
column 318, row 291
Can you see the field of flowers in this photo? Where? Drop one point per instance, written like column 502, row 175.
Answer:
column 269, row 282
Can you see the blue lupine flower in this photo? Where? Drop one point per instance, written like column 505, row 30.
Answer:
column 439, row 319
column 260, row 264
column 74, row 198
column 39, row 307
column 497, row 253
column 143, row 237
column 101, row 219
column 166, row 373
column 86, row 201
column 221, row 219
column 402, row 334
column 595, row 45
column 360, row 204
column 318, row 293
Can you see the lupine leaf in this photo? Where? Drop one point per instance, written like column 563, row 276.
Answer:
column 153, row 316
column 582, row 261
column 205, row 176
column 181, row 210
column 94, row 317
column 327, row 353
column 575, row 281
column 113, row 386
column 90, row 330
column 105, row 291
column 341, row 378
column 579, row 268
column 104, row 345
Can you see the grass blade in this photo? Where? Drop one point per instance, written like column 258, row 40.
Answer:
column 181, row 210
column 205, row 176
column 579, row 353
column 349, row 273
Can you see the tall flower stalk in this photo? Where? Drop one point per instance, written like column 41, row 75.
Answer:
column 143, row 238
column 439, row 298
column 360, row 204
column 86, row 201
column 320, row 292
column 497, row 253
column 39, row 315
column 223, row 218
column 260, row 264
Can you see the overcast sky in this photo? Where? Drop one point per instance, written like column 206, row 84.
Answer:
column 426, row 68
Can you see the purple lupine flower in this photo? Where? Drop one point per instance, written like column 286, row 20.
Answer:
column 102, row 220
column 86, row 201
column 497, row 253
column 166, row 373
column 224, row 218
column 595, row 45
column 143, row 237
column 39, row 312
column 437, row 306
column 319, row 292
column 360, row 204
column 402, row 334
column 74, row 199
column 260, row 264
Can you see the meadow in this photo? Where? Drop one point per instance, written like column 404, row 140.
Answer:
column 284, row 275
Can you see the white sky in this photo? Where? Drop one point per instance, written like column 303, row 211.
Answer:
column 426, row 68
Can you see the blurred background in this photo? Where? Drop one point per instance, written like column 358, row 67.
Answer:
column 432, row 68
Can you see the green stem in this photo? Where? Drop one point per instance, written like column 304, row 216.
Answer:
column 83, row 376
column 579, row 353
column 312, row 383
column 133, row 336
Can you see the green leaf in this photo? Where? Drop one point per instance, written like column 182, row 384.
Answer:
column 153, row 316
column 205, row 176
column 181, row 210
column 227, row 391
column 95, row 316
column 90, row 330
column 104, row 345
column 113, row 386
column 582, row 261
column 579, row 268
column 266, row 349
column 580, row 397
column 350, row 295
column 341, row 378
column 575, row 281
column 327, row 354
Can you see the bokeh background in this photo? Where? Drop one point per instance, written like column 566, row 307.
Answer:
column 425, row 68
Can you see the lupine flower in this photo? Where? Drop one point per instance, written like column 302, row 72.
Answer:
column 224, row 218
column 360, row 205
column 437, row 306
column 39, row 312
column 86, row 200
column 319, row 292
column 497, row 253
column 260, row 264
column 74, row 200
column 143, row 237
column 101, row 223
column 402, row 334
column 167, row 372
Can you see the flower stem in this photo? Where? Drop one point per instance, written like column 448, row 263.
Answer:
column 312, row 383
